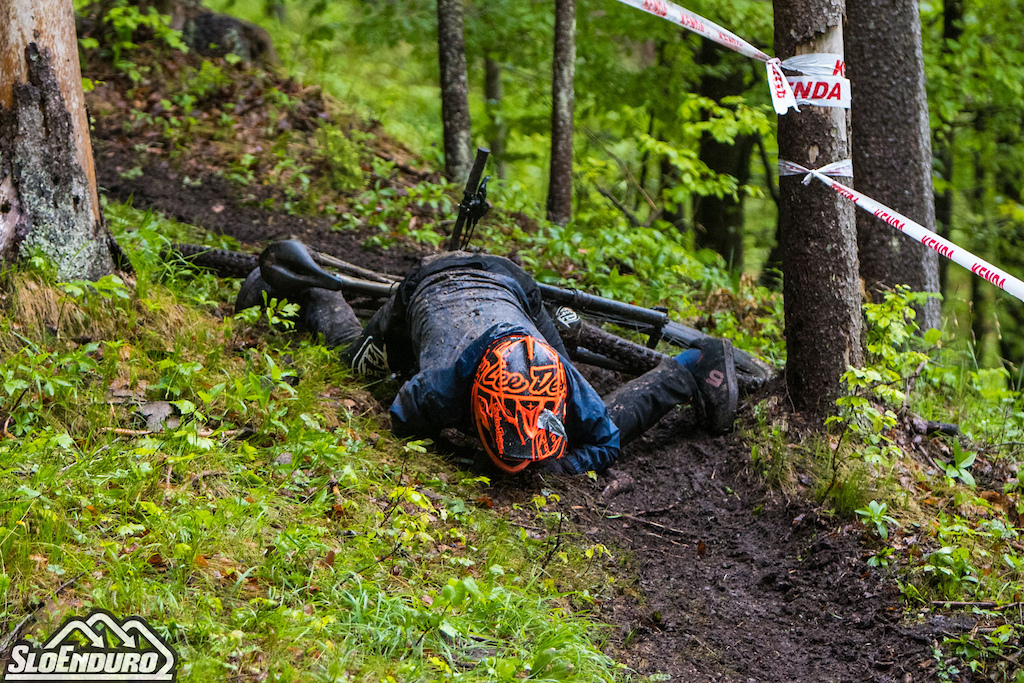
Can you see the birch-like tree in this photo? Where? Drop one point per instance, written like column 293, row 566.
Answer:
column 563, row 100
column 451, row 48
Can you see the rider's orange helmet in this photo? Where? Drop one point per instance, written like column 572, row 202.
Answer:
column 518, row 402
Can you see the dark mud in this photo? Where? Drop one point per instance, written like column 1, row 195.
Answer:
column 219, row 206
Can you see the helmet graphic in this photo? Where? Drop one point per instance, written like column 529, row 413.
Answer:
column 518, row 402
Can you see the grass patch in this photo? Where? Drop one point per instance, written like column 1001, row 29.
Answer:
column 269, row 527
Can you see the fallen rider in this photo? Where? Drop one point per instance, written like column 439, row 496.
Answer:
column 470, row 336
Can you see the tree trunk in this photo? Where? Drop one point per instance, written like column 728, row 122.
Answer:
column 981, row 300
column 952, row 27
column 1010, row 184
column 493, row 92
column 48, row 199
column 892, row 150
column 818, row 230
column 718, row 221
column 451, row 50
column 562, row 107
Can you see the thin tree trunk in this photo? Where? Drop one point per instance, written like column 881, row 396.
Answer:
column 451, row 48
column 892, row 150
column 952, row 27
column 981, row 301
column 48, row 199
column 1010, row 184
column 820, row 284
column 562, row 107
column 494, row 92
column 718, row 221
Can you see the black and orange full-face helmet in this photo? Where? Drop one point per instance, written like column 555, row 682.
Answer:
column 518, row 402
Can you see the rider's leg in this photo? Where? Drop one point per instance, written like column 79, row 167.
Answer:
column 322, row 311
column 707, row 379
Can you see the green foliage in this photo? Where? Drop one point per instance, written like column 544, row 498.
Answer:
column 990, row 655
column 342, row 156
column 631, row 121
column 874, row 514
column 278, row 313
column 124, row 21
column 892, row 359
column 962, row 459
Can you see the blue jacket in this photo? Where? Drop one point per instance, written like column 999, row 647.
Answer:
column 435, row 330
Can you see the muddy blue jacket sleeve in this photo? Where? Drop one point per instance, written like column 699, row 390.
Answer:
column 593, row 437
column 434, row 399
column 419, row 409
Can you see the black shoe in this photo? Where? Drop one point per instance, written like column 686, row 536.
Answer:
column 251, row 292
column 717, row 392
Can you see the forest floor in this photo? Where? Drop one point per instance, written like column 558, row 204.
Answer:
column 728, row 579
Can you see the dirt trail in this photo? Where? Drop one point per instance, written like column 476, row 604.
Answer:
column 743, row 585
column 746, row 586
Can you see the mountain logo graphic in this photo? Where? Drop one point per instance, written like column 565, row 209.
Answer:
column 98, row 647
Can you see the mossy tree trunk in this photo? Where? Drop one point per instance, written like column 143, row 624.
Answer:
column 818, row 231
column 48, row 199
column 563, row 104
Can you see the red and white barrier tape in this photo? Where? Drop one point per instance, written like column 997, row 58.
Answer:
column 782, row 92
column 842, row 169
column 821, row 91
column 978, row 266
column 824, row 83
column 817, row 64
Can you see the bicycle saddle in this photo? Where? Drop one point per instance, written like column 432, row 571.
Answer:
column 290, row 270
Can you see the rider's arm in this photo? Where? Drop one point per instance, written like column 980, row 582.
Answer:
column 593, row 437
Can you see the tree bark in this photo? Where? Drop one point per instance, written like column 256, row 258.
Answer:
column 892, row 150
column 494, row 93
column 451, row 48
column 820, row 285
column 562, row 107
column 48, row 199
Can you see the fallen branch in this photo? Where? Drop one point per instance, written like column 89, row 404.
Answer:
column 11, row 636
column 641, row 520
column 658, row 511
column 205, row 473
column 984, row 604
column 620, row 206
column 204, row 433
column 403, row 167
